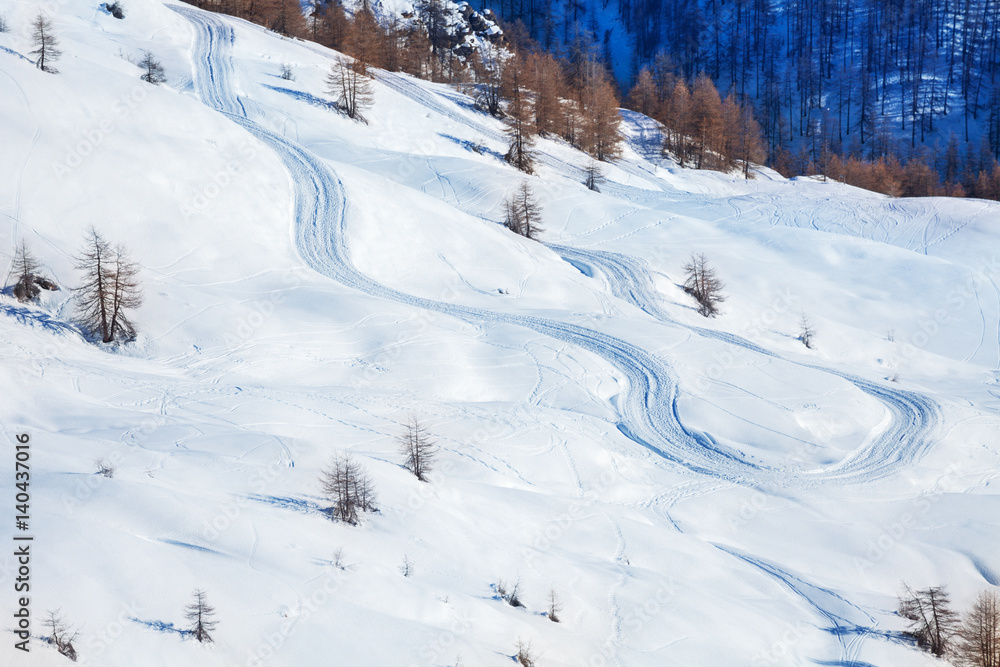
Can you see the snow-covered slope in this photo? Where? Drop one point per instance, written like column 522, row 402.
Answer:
column 695, row 492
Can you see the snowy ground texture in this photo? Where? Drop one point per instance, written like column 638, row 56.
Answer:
column 696, row 492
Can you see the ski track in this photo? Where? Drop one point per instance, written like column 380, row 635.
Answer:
column 914, row 416
column 850, row 634
column 648, row 410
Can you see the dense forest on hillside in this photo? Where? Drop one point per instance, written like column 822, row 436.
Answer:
column 873, row 80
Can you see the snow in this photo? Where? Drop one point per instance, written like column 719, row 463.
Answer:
column 696, row 492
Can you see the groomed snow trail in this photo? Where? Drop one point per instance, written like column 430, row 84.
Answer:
column 914, row 416
column 648, row 411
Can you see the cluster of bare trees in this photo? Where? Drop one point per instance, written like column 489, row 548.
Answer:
column 110, row 287
column 348, row 485
column 536, row 92
column 703, row 130
column 350, row 82
column 522, row 212
column 970, row 640
column 864, row 80
column 199, row 614
column 109, row 290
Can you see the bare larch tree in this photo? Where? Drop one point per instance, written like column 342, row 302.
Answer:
column 704, row 285
column 110, row 288
column 979, row 637
column 60, row 634
column 201, row 616
column 348, row 485
column 152, row 70
column 348, row 81
column 523, row 213
column 46, row 45
column 806, row 331
column 519, row 117
column 933, row 623
column 417, row 449
column 26, row 278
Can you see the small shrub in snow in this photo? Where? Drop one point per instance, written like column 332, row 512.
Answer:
column 4, row 26
column 407, row 567
column 510, row 593
column 115, row 9
column 104, row 468
column 286, row 72
column 806, row 332
column 554, row 607
column 525, row 656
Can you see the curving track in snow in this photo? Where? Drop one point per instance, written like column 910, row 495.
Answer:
column 914, row 416
column 648, row 410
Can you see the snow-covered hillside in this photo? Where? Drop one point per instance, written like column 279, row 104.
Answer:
column 695, row 492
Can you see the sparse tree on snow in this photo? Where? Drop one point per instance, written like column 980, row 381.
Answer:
column 525, row 656
column 510, row 593
column 806, row 331
column 594, row 177
column 152, row 70
column 4, row 27
column 523, row 214
column 407, row 567
column 104, row 468
column 933, row 623
column 349, row 82
column 554, row 607
column 348, row 485
column 46, row 45
column 704, row 285
column 417, row 449
column 201, row 616
column 519, row 116
column 978, row 642
column 110, row 288
column 26, row 267
column 286, row 72
column 60, row 634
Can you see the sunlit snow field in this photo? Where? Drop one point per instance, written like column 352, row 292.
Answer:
column 696, row 492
